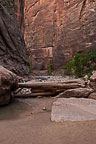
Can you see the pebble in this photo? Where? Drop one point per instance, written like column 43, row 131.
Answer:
column 44, row 108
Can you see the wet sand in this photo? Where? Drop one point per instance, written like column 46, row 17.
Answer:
column 24, row 122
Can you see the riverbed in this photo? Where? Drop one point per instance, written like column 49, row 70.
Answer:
column 27, row 121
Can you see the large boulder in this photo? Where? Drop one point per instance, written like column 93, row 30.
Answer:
column 77, row 92
column 8, row 83
column 73, row 109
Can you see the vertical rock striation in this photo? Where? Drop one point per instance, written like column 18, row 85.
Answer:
column 57, row 29
column 19, row 11
column 13, row 54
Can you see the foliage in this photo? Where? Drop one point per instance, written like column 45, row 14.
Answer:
column 50, row 69
column 82, row 64
column 69, row 68
column 7, row 3
column 30, row 66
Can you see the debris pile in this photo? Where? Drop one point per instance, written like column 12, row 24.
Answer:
column 59, row 87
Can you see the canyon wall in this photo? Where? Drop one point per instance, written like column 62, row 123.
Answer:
column 13, row 53
column 19, row 12
column 57, row 29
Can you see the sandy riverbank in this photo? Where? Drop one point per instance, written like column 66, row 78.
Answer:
column 26, row 123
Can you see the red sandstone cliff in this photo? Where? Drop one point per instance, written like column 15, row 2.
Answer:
column 57, row 29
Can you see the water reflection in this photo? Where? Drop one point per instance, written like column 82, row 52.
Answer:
column 13, row 111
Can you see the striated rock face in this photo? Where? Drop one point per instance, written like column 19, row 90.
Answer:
column 19, row 11
column 13, row 54
column 57, row 29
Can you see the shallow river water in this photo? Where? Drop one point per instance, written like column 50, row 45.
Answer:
column 13, row 111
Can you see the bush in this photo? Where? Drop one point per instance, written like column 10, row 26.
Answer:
column 50, row 69
column 69, row 68
column 82, row 64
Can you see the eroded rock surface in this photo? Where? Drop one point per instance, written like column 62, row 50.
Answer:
column 73, row 109
column 13, row 53
column 19, row 11
column 92, row 95
column 57, row 29
column 8, row 83
column 77, row 92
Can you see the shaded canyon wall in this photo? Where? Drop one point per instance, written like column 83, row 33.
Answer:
column 13, row 53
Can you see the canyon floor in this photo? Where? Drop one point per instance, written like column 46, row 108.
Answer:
column 27, row 121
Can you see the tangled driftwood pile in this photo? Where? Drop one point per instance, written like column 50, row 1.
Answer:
column 68, row 88
column 49, row 88
column 79, row 88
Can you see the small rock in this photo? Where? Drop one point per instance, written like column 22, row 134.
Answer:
column 92, row 96
column 44, row 108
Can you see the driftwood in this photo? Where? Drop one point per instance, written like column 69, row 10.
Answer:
column 50, row 86
column 47, row 88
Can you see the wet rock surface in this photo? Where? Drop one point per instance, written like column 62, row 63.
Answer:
column 73, row 109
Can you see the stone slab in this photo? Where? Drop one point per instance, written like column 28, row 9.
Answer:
column 73, row 109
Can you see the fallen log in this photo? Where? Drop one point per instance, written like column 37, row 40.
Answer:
column 50, row 86
column 81, row 81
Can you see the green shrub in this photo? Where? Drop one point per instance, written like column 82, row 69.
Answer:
column 69, row 68
column 7, row 3
column 82, row 64
column 50, row 69
column 30, row 66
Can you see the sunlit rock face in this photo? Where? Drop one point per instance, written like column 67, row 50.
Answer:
column 57, row 29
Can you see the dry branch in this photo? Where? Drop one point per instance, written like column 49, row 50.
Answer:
column 50, row 86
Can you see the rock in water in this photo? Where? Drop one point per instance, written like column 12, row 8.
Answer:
column 73, row 109
column 8, row 83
